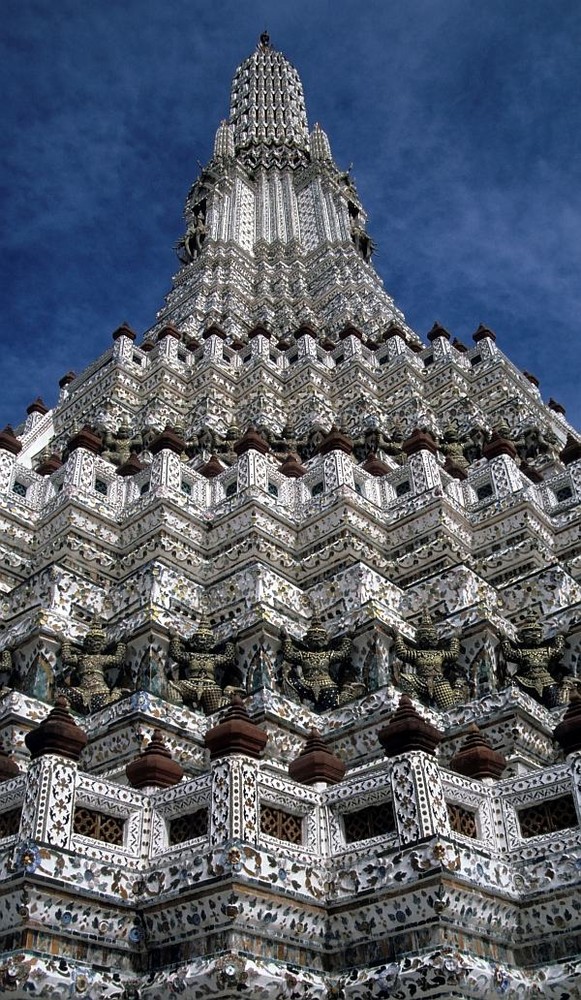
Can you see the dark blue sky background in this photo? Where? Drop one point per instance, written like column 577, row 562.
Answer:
column 462, row 120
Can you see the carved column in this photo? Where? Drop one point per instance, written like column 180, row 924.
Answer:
column 235, row 744
column 47, row 811
column 418, row 798
column 234, row 803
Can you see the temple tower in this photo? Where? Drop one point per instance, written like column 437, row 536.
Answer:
column 291, row 628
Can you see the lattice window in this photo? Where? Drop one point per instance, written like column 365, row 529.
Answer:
column 548, row 817
column 144, row 489
column 231, row 489
column 100, row 826
column 186, row 488
column 485, row 491
column 317, row 489
column 188, row 827
column 273, row 489
column 403, row 488
column 20, row 489
column 280, row 824
column 462, row 820
column 373, row 821
column 101, row 487
column 10, row 822
column 565, row 493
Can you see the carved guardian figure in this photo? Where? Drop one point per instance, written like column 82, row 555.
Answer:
column 318, row 670
column 83, row 676
column 200, row 667
column 433, row 679
column 537, row 662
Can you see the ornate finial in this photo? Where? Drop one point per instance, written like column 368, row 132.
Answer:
column 568, row 732
column 265, row 40
column 154, row 768
column 476, row 758
column 57, row 734
column 8, row 767
column 316, row 763
column 236, row 734
column 407, row 731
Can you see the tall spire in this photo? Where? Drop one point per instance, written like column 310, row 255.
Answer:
column 267, row 108
column 275, row 232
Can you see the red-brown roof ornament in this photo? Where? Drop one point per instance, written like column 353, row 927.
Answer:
column 327, row 344
column 8, row 767
column 304, row 330
column 292, row 467
column 375, row 466
column 556, row 407
column 51, row 464
column 123, row 331
column 214, row 331
column 168, row 440
column 476, row 758
column 155, row 767
column 213, row 467
column 531, row 473
column 67, row 379
column 131, row 467
column 571, row 452
column 568, row 732
column 9, row 441
column 316, row 763
column 259, row 331
column 38, row 406
column 420, row 440
column 498, row 445
column 57, row 734
column 251, row 439
column 532, row 379
column 87, row 439
column 393, row 331
column 147, row 346
column 169, row 331
column 459, row 346
column 335, row 440
column 407, row 731
column 351, row 331
column 438, row 332
column 483, row 333
column 236, row 734
column 454, row 470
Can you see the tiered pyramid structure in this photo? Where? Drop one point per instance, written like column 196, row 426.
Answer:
column 291, row 628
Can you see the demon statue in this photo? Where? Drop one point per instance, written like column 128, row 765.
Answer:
column 319, row 670
column 207, row 679
column 434, row 678
column 537, row 672
column 83, row 675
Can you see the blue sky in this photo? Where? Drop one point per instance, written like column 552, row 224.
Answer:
column 462, row 120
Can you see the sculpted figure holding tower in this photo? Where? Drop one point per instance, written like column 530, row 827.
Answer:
column 432, row 679
column 537, row 669
column 83, row 674
column 197, row 683
column 315, row 668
